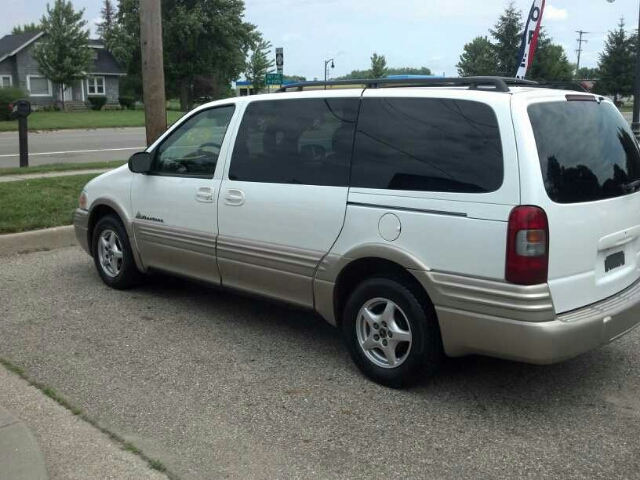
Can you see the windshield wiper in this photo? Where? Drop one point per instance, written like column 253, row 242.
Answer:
column 631, row 186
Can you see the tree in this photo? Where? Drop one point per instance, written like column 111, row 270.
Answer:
column 586, row 73
column 364, row 74
column 108, row 15
column 356, row 75
column 507, row 34
column 200, row 37
column 294, row 78
column 409, row 71
column 63, row 55
column 26, row 28
column 259, row 65
column 617, row 64
column 478, row 58
column 378, row 66
column 550, row 62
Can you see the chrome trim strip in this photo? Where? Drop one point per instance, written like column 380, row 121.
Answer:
column 406, row 209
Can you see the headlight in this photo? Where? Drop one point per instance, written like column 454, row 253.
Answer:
column 82, row 201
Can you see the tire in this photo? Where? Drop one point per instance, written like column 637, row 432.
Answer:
column 114, row 260
column 411, row 338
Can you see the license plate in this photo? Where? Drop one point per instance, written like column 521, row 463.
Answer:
column 614, row 261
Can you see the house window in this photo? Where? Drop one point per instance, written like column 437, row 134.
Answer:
column 95, row 85
column 5, row 81
column 38, row 86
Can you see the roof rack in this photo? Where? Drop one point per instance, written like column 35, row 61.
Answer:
column 499, row 84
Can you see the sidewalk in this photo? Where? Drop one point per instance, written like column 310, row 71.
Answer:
column 41, row 437
column 69, row 173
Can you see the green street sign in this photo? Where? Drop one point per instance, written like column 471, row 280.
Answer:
column 274, row 79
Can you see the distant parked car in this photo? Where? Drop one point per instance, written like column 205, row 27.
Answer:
column 478, row 216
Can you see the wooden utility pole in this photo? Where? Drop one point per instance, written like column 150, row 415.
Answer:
column 155, row 108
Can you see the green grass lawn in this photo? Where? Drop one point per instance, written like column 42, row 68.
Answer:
column 59, row 167
column 40, row 203
column 89, row 119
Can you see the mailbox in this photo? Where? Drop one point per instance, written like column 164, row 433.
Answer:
column 21, row 108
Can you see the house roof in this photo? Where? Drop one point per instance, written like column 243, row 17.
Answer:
column 12, row 44
column 104, row 64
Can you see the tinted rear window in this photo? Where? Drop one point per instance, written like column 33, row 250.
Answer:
column 296, row 141
column 587, row 150
column 426, row 144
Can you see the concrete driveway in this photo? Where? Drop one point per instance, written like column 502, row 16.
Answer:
column 73, row 146
column 218, row 385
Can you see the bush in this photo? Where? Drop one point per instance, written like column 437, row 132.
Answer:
column 7, row 97
column 127, row 102
column 49, row 108
column 97, row 103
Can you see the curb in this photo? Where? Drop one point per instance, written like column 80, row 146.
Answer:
column 34, row 176
column 37, row 240
column 20, row 455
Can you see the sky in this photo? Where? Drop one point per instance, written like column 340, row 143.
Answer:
column 411, row 33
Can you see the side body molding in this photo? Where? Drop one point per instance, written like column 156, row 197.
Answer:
column 462, row 293
column 126, row 220
column 333, row 264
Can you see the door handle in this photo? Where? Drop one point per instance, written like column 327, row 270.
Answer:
column 204, row 195
column 234, row 197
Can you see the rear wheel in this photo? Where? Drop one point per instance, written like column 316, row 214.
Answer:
column 112, row 254
column 391, row 331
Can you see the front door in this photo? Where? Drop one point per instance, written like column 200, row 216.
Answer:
column 284, row 195
column 174, row 206
column 68, row 93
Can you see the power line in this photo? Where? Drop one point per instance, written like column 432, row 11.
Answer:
column 580, row 40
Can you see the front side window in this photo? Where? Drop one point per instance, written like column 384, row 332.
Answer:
column 425, row 144
column 38, row 86
column 192, row 150
column 296, row 141
column 5, row 81
column 95, row 85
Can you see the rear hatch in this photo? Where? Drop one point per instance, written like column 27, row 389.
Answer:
column 590, row 165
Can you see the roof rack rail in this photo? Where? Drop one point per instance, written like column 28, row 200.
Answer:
column 499, row 84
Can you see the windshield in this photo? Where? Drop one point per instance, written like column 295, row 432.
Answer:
column 587, row 150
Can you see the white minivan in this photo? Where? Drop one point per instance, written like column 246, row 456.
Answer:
column 422, row 217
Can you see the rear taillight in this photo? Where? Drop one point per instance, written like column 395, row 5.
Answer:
column 527, row 246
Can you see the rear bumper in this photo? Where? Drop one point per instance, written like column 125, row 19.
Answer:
column 568, row 335
column 81, row 226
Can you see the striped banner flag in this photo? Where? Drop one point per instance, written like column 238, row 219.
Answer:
column 530, row 38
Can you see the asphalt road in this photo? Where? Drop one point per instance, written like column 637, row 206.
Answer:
column 73, row 146
column 218, row 385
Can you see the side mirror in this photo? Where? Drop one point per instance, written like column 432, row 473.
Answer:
column 140, row 162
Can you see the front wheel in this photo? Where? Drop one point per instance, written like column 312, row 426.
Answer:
column 391, row 331
column 112, row 254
